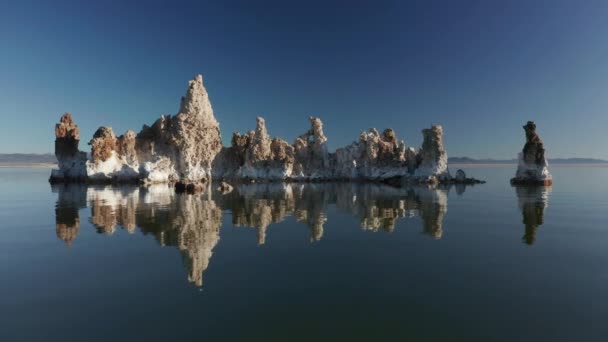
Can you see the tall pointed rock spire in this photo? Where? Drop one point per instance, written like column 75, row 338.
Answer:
column 196, row 102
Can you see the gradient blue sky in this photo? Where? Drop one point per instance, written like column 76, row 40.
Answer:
column 479, row 68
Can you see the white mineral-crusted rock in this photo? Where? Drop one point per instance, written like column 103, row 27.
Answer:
column 259, row 143
column 255, row 156
column 374, row 156
column 195, row 135
column 532, row 167
column 186, row 149
column 181, row 147
column 175, row 148
column 433, row 157
column 112, row 158
column 196, row 103
column 312, row 160
column 265, row 158
column 531, row 172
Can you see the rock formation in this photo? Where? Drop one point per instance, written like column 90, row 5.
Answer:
column 311, row 156
column 183, row 147
column 71, row 161
column 186, row 149
column 375, row 156
column 112, row 158
column 67, row 136
column 433, row 160
column 532, row 168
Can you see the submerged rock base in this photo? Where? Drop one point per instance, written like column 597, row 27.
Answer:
column 186, row 150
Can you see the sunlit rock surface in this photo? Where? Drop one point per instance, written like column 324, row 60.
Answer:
column 532, row 168
column 181, row 147
column 112, row 158
column 186, row 149
column 192, row 222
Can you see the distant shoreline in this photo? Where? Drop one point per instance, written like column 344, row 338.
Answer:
column 27, row 165
column 600, row 165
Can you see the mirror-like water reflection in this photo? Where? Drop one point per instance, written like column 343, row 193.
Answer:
column 532, row 200
column 192, row 222
column 353, row 261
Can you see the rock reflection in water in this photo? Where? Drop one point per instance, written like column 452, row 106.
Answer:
column 67, row 220
column 380, row 206
column 192, row 222
column 533, row 200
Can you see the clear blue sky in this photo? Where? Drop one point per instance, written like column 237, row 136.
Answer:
column 479, row 68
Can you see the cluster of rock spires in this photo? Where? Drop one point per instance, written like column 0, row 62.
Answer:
column 532, row 164
column 186, row 149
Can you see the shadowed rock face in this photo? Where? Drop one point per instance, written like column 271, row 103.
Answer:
column 532, row 168
column 433, row 160
column 534, row 151
column 67, row 137
column 186, row 149
column 310, row 148
column 192, row 223
column 70, row 160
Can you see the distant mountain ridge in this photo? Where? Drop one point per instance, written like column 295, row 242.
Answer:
column 467, row 160
column 27, row 158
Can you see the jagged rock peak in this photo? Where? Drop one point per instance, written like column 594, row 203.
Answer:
column 317, row 130
column 259, row 143
column 261, row 136
column 196, row 102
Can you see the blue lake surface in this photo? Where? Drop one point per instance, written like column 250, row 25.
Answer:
column 306, row 262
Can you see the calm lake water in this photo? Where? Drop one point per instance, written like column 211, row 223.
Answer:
column 306, row 261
